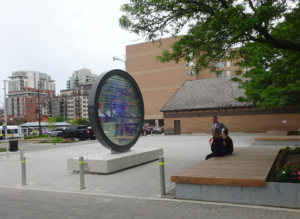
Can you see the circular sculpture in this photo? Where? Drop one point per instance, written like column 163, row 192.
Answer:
column 116, row 110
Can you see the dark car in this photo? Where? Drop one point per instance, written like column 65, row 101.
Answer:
column 156, row 130
column 81, row 132
column 146, row 130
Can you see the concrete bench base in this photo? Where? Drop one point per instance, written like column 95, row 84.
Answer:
column 107, row 163
column 274, row 194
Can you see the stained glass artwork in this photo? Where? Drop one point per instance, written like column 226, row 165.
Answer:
column 119, row 110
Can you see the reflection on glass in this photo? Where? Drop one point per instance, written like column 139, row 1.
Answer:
column 119, row 110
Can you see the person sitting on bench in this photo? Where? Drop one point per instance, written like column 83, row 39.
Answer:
column 228, row 144
column 217, row 145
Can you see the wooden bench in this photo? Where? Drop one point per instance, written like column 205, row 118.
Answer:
column 247, row 166
column 277, row 136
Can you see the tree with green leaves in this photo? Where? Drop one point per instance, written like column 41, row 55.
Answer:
column 59, row 118
column 51, row 123
column 80, row 121
column 262, row 35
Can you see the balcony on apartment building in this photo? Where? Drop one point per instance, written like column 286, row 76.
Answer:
column 76, row 92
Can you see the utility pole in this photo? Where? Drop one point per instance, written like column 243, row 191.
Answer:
column 115, row 58
column 5, row 118
column 64, row 110
column 40, row 131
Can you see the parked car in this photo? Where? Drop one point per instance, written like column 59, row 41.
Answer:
column 163, row 129
column 156, row 130
column 56, row 132
column 133, row 129
column 146, row 130
column 81, row 132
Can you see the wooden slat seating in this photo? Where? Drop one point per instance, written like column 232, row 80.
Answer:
column 247, row 166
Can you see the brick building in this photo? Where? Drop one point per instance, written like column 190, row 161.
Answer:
column 159, row 82
column 22, row 97
column 191, row 108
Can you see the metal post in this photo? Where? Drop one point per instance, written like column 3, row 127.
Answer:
column 64, row 110
column 81, row 171
column 162, row 176
column 5, row 117
column 40, row 134
column 21, row 150
column 7, row 153
column 23, row 163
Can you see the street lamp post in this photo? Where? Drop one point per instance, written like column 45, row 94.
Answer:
column 39, row 84
column 5, row 117
column 117, row 59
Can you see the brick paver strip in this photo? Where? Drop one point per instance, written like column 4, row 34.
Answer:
column 38, row 204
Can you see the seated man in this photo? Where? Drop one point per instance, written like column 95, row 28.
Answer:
column 228, row 144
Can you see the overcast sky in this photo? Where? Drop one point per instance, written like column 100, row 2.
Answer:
column 58, row 37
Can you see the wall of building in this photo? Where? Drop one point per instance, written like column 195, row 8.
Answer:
column 80, row 77
column 158, row 82
column 229, row 70
column 74, row 100
column 238, row 123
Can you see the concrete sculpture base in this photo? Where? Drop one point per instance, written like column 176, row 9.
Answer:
column 107, row 163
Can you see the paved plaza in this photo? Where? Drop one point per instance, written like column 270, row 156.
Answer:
column 54, row 190
column 30, row 204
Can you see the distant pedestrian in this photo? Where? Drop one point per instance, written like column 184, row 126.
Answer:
column 216, row 124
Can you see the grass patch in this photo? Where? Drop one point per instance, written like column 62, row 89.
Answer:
column 2, row 149
column 3, row 142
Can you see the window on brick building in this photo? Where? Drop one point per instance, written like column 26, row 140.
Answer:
column 221, row 65
column 228, row 73
column 192, row 74
column 227, row 63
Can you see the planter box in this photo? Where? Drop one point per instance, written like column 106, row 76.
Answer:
column 274, row 194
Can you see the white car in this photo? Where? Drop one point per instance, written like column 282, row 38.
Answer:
column 56, row 132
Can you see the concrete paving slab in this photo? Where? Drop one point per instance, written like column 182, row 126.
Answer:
column 46, row 165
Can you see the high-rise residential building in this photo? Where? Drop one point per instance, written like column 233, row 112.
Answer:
column 73, row 103
column 1, row 111
column 22, row 97
column 80, row 77
column 159, row 82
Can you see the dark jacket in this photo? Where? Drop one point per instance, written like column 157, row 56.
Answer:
column 217, row 146
column 229, row 144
